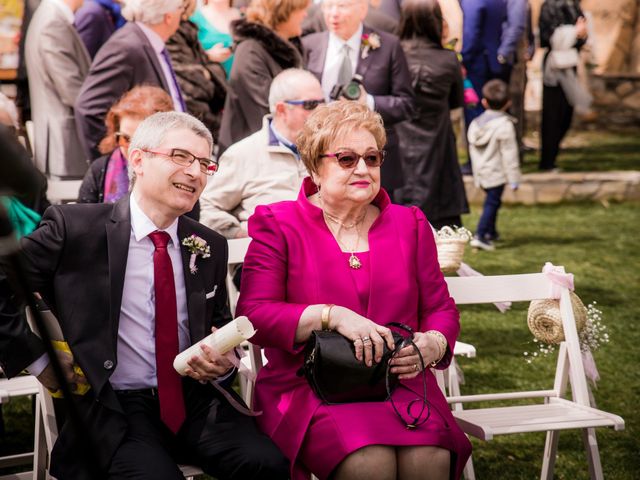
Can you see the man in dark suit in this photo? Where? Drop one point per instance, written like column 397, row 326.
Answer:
column 133, row 55
column 349, row 48
column 129, row 294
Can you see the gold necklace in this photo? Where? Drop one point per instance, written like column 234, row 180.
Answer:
column 354, row 261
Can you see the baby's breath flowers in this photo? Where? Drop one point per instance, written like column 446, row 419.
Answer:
column 592, row 336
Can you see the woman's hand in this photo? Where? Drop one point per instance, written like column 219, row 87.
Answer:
column 218, row 53
column 581, row 28
column 209, row 365
column 368, row 337
column 406, row 362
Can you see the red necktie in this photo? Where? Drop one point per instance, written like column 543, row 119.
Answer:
column 172, row 411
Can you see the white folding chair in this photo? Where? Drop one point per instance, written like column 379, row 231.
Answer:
column 23, row 385
column 557, row 412
column 237, row 251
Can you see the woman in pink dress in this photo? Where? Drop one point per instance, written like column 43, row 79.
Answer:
column 342, row 257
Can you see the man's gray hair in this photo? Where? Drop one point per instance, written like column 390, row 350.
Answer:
column 150, row 12
column 153, row 129
column 290, row 84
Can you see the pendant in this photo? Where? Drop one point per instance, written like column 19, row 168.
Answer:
column 354, row 262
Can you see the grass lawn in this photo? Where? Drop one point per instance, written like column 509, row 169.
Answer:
column 599, row 246
column 586, row 150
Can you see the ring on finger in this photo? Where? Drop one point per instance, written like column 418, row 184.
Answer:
column 366, row 340
column 416, row 367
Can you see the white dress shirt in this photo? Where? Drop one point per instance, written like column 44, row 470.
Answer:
column 158, row 45
column 136, row 348
column 333, row 61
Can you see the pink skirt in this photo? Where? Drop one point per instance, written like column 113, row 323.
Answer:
column 336, row 431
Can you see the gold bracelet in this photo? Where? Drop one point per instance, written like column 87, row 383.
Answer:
column 326, row 312
column 442, row 344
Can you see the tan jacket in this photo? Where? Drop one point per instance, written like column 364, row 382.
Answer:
column 251, row 173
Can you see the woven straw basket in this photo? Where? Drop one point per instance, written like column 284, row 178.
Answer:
column 544, row 318
column 450, row 253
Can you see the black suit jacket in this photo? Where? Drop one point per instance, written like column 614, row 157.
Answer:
column 386, row 77
column 77, row 260
column 125, row 61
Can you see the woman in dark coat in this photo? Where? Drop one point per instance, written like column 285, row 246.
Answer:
column 202, row 82
column 557, row 113
column 430, row 160
column 266, row 43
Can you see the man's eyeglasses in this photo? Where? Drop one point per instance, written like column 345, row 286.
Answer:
column 306, row 104
column 349, row 159
column 123, row 136
column 185, row 159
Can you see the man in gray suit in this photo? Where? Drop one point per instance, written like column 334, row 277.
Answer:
column 349, row 48
column 134, row 55
column 57, row 63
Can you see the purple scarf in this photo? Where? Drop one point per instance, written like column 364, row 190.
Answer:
column 116, row 178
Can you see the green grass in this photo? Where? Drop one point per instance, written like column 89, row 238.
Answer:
column 599, row 246
column 593, row 150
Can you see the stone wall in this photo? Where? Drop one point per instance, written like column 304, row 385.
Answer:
column 616, row 99
column 537, row 188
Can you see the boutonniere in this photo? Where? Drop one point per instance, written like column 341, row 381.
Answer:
column 198, row 248
column 369, row 41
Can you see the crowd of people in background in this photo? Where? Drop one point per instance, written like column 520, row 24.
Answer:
column 216, row 59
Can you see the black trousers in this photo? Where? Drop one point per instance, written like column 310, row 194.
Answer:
column 556, row 121
column 214, row 437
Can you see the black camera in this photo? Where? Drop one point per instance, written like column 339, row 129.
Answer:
column 350, row 91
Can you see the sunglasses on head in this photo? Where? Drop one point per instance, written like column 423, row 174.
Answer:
column 306, row 104
column 349, row 158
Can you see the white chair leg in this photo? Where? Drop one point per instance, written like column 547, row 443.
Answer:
column 593, row 454
column 549, row 456
column 40, row 451
column 469, row 472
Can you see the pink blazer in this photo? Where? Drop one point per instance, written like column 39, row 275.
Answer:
column 294, row 261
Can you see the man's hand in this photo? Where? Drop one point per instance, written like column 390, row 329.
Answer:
column 363, row 95
column 209, row 365
column 48, row 377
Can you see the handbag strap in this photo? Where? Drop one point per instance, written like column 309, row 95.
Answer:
column 415, row 419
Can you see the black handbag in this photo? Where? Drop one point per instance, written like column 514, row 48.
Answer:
column 336, row 376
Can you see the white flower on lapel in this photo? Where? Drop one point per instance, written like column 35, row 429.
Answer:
column 369, row 41
column 198, row 248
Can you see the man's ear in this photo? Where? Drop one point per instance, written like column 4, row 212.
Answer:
column 136, row 161
column 280, row 108
column 484, row 103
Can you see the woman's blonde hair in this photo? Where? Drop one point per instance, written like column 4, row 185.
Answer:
column 332, row 121
column 272, row 13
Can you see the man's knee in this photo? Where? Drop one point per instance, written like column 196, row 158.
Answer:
column 266, row 462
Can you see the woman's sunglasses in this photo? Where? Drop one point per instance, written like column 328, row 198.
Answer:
column 306, row 104
column 349, row 158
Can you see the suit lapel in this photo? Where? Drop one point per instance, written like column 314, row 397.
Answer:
column 153, row 57
column 194, row 289
column 365, row 63
column 318, row 57
column 118, row 236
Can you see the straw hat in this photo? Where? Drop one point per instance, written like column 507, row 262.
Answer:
column 545, row 322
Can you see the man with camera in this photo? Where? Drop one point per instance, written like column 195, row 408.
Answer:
column 358, row 63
